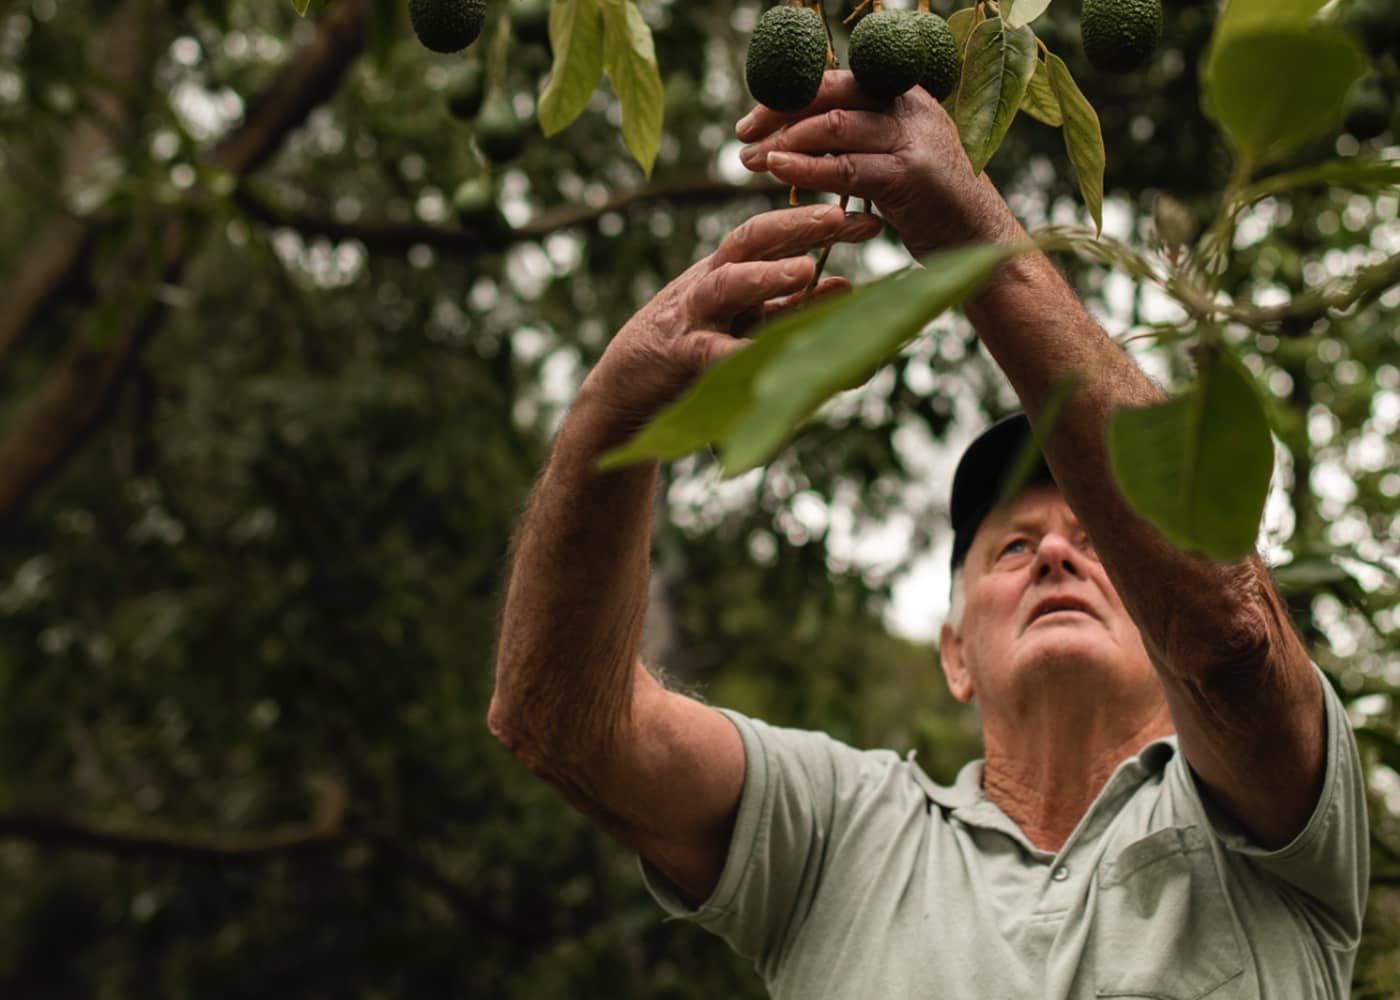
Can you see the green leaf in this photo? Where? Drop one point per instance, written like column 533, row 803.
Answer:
column 300, row 6
column 1312, row 574
column 629, row 58
column 1026, row 459
column 576, row 35
column 1083, row 138
column 1272, row 90
column 848, row 346
column 1019, row 13
column 997, row 69
column 1355, row 173
column 753, row 399
column 713, row 405
column 1040, row 101
column 1198, row 467
column 1245, row 16
column 960, row 23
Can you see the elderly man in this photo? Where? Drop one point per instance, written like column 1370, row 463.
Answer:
column 1170, row 803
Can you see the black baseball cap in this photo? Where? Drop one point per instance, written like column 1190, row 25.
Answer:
column 984, row 473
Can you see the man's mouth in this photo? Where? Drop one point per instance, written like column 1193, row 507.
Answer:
column 1060, row 605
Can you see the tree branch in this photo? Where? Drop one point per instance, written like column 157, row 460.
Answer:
column 58, row 415
column 396, row 238
column 1360, row 288
column 124, row 52
column 53, row 830
column 310, row 77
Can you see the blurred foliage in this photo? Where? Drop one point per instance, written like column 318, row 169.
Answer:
column 246, row 619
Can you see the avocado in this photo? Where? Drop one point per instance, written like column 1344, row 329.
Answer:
column 786, row 58
column 467, row 91
column 474, row 201
column 500, row 134
column 942, row 60
column 1369, row 107
column 1120, row 35
column 1375, row 24
column 887, row 53
column 447, row 25
column 529, row 21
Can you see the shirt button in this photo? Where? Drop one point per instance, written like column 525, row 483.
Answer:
column 1060, row 874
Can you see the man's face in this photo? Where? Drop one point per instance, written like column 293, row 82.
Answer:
column 1040, row 610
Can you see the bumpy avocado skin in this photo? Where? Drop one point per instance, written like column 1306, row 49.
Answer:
column 447, row 25
column 786, row 58
column 887, row 54
column 1120, row 35
column 942, row 60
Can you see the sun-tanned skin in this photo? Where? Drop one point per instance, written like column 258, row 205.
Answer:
column 1048, row 650
column 1063, row 698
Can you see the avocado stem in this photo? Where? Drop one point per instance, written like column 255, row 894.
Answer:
column 821, row 261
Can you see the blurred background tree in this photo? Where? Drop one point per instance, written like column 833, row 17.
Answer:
column 272, row 395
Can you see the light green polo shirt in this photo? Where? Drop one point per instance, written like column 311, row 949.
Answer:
column 851, row 874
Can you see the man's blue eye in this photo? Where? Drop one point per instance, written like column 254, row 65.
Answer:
column 1011, row 544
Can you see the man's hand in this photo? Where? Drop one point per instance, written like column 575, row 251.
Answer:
column 758, row 272
column 905, row 157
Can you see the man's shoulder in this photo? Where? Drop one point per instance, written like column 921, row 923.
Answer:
column 828, row 764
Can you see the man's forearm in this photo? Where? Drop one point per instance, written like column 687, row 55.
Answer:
column 1188, row 608
column 575, row 598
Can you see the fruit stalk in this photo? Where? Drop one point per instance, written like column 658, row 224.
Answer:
column 821, row 261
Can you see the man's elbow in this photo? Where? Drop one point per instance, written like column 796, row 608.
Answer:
column 505, row 726
column 1246, row 630
column 1258, row 639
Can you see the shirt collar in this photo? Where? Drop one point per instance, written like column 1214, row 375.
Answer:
column 966, row 792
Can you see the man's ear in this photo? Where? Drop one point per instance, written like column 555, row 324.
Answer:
column 954, row 669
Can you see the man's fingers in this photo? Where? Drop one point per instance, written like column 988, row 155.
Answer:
column 787, row 232
column 838, row 90
column 710, row 347
column 730, row 289
column 859, row 175
column 828, row 286
column 839, row 130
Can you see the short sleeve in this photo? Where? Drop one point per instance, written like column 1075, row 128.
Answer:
column 799, row 789
column 1329, row 861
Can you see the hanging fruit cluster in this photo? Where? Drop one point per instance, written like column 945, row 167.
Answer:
column 893, row 50
column 890, row 51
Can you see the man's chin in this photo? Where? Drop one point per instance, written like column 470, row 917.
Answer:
column 1075, row 646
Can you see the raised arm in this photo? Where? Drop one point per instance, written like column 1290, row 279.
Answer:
column 572, row 701
column 1244, row 697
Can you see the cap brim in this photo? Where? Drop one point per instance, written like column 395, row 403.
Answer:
column 987, row 474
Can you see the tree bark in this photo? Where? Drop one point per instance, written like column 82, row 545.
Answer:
column 124, row 50
column 62, row 411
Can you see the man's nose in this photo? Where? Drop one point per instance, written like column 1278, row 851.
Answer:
column 1056, row 556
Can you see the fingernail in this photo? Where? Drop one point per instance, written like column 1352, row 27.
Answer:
column 750, row 156
column 778, row 161
column 744, row 126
